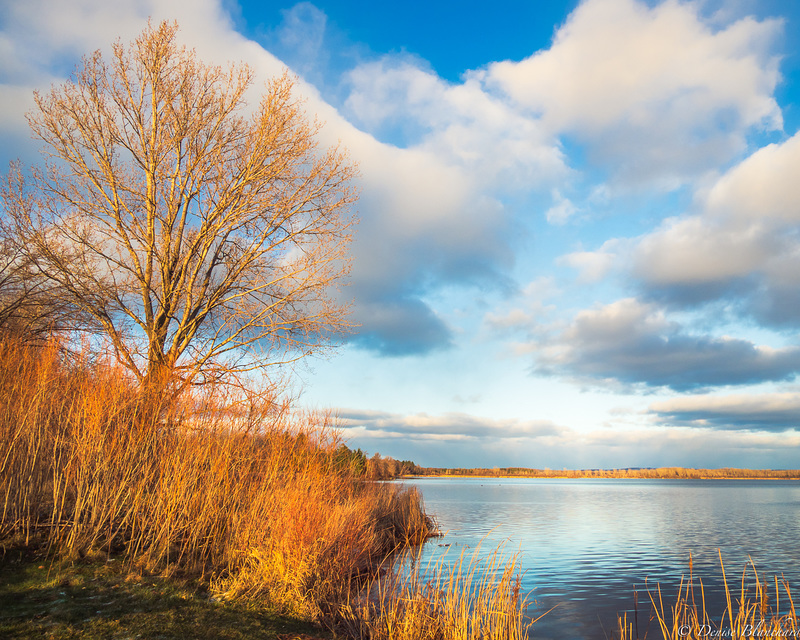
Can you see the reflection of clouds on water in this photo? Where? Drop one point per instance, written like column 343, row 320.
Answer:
column 584, row 543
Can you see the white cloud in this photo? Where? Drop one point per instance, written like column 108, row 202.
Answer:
column 697, row 250
column 762, row 412
column 459, row 123
column 764, row 187
column 529, row 311
column 593, row 266
column 562, row 210
column 303, row 32
column 448, row 426
column 655, row 91
column 513, row 319
column 15, row 102
column 629, row 342
column 451, row 439
column 738, row 249
column 45, row 31
column 742, row 243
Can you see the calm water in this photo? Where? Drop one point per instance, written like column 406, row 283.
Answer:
column 585, row 543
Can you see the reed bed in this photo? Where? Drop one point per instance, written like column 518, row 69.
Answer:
column 758, row 612
column 234, row 488
column 472, row 598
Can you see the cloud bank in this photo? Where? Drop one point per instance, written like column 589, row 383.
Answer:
column 461, row 440
column 741, row 245
column 631, row 342
column 656, row 92
column 775, row 412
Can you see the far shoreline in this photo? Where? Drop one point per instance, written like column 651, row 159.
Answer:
column 661, row 473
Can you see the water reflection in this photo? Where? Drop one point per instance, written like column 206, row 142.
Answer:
column 586, row 544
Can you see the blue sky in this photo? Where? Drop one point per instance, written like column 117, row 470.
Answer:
column 579, row 237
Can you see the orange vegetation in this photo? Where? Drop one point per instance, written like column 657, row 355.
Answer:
column 237, row 490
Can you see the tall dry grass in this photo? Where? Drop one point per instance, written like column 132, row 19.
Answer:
column 473, row 598
column 236, row 488
column 756, row 611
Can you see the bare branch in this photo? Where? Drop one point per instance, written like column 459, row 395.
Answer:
column 198, row 237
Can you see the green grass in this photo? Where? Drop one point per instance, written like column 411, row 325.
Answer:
column 94, row 600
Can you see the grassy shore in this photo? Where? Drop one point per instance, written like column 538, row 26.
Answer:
column 228, row 490
column 94, row 600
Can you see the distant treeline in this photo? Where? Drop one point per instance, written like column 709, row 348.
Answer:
column 634, row 472
column 380, row 468
column 376, row 467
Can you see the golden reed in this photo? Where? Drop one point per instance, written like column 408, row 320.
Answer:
column 230, row 486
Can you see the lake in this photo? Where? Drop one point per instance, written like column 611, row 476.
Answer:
column 586, row 543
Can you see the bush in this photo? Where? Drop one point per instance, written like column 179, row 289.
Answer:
column 234, row 487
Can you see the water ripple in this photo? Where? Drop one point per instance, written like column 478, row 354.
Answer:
column 585, row 545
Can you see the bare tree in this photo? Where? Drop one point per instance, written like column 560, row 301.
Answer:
column 203, row 240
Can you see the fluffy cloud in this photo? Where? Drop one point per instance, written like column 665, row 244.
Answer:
column 562, row 210
column 423, row 224
column 303, row 34
column 449, row 426
column 656, row 91
column 742, row 244
column 765, row 412
column 658, row 94
column 426, row 219
column 54, row 35
column 631, row 342
column 399, row 99
column 697, row 251
column 399, row 326
column 764, row 186
column 593, row 266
